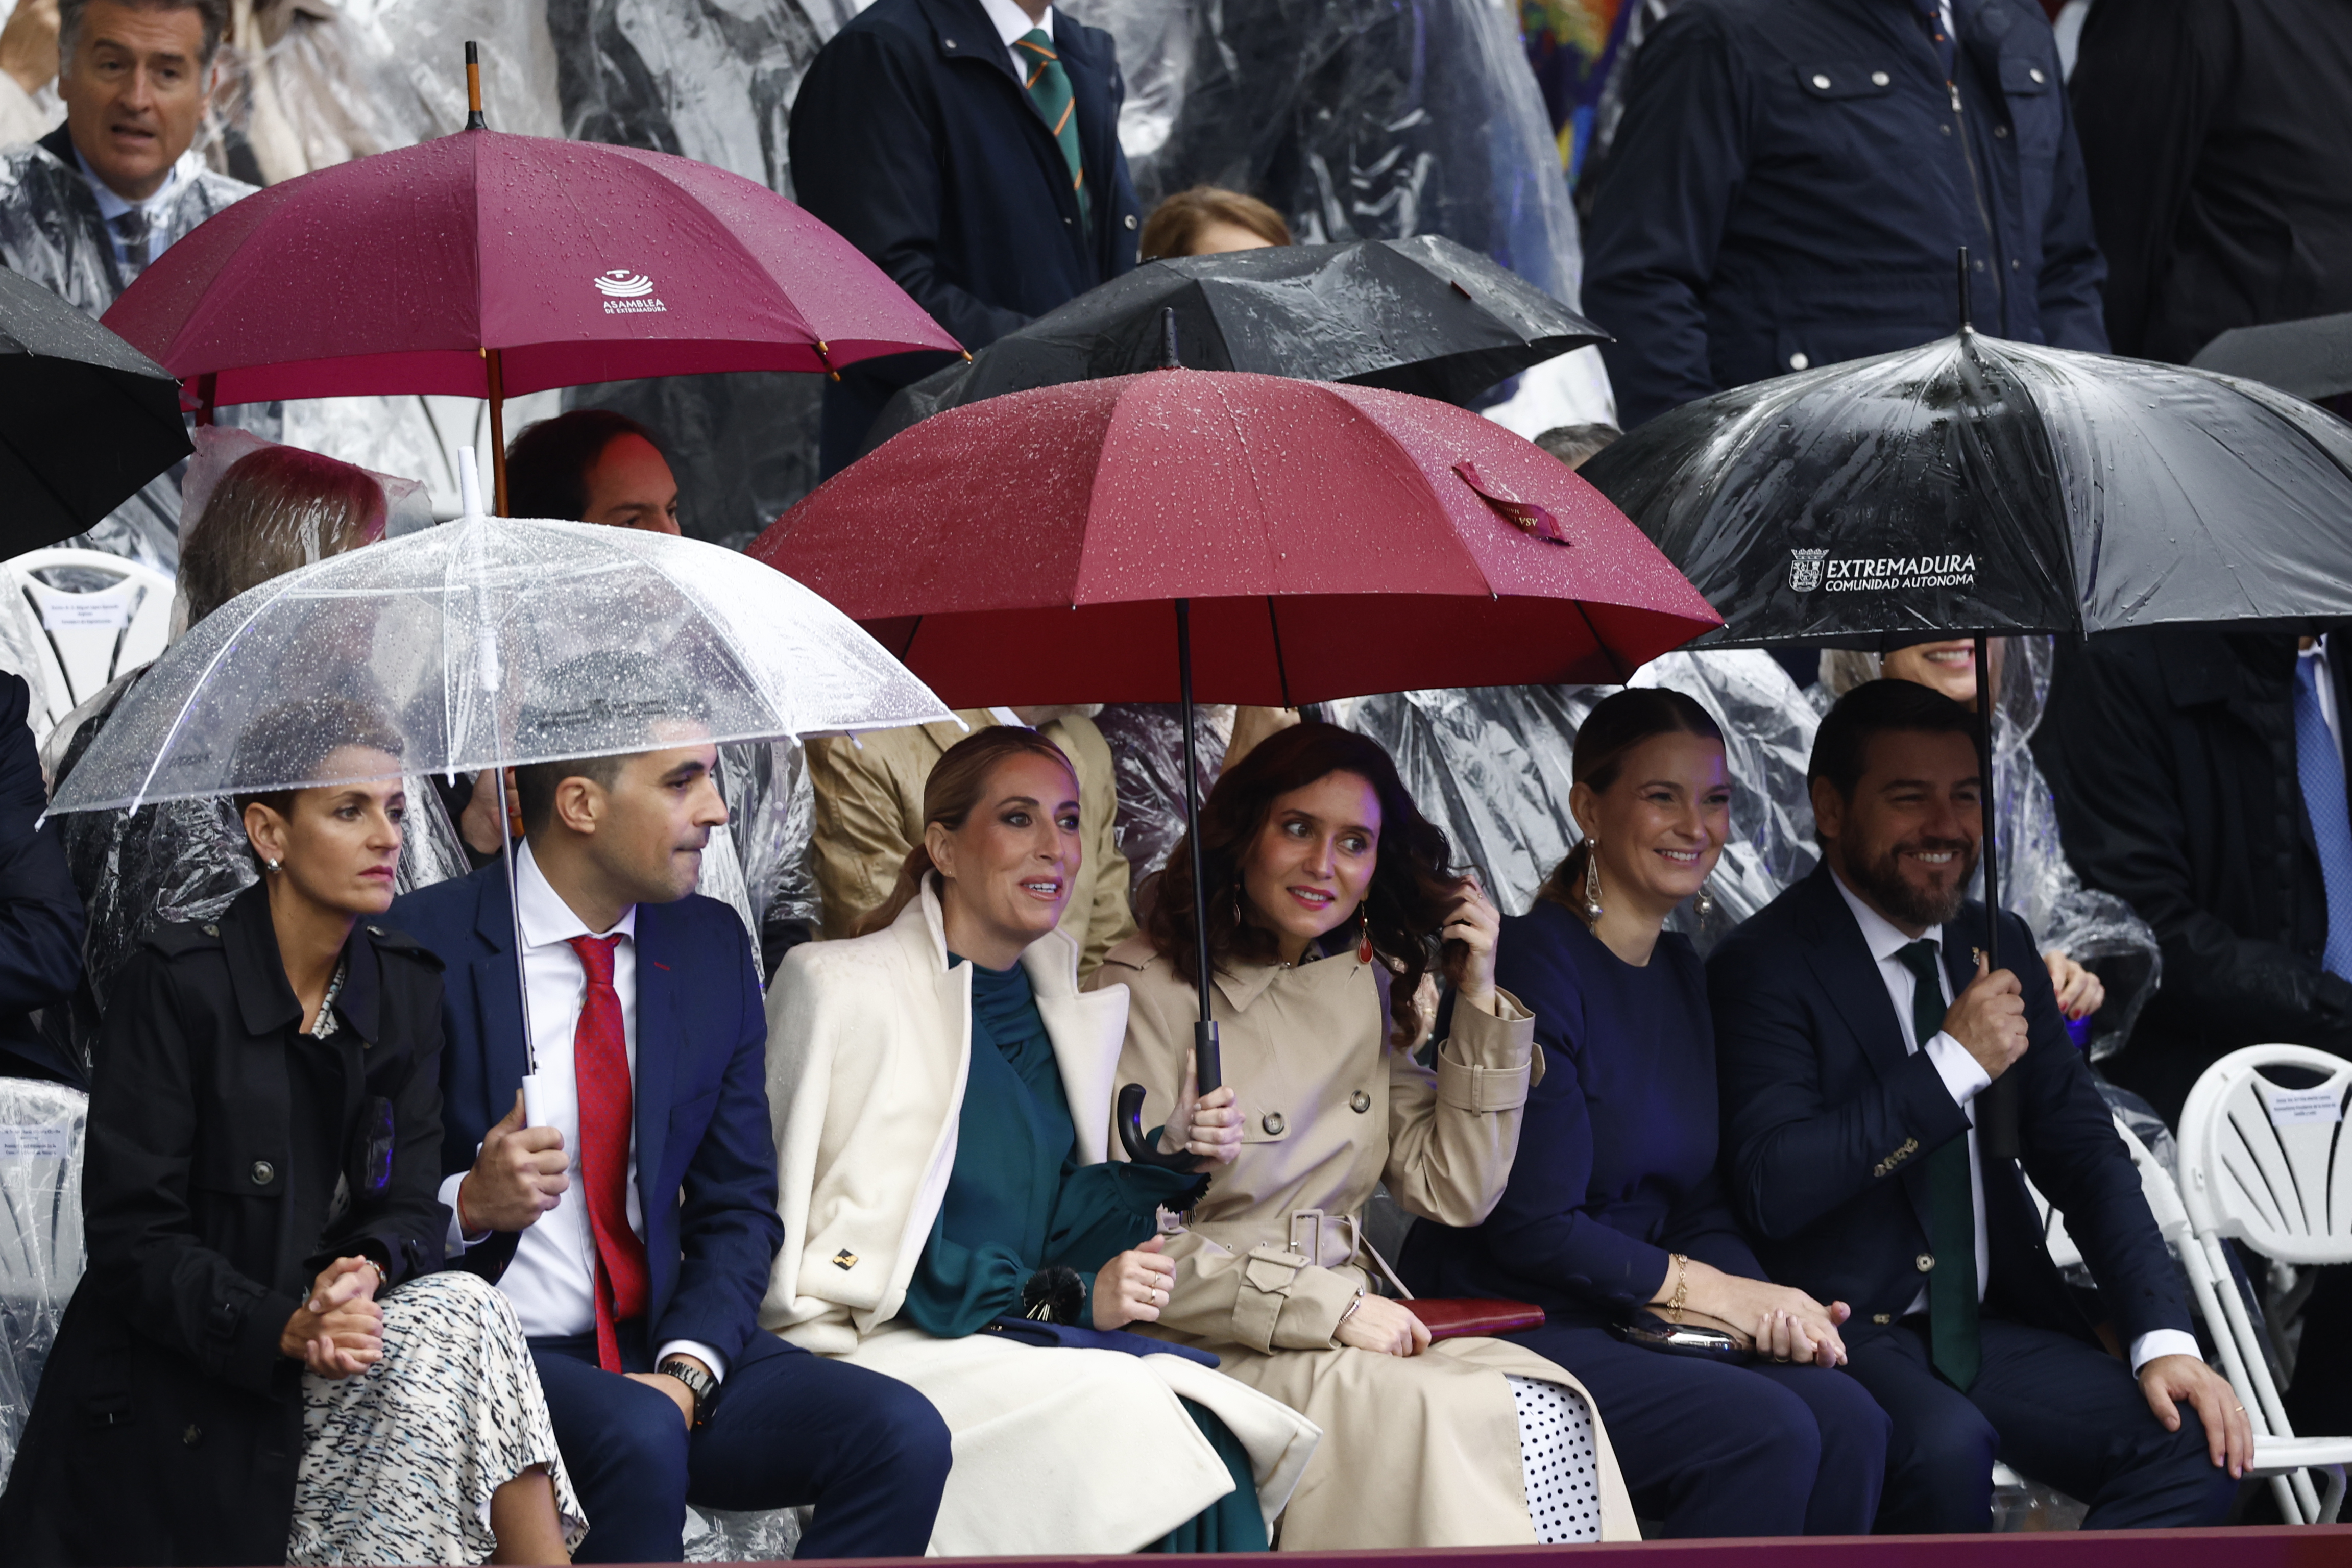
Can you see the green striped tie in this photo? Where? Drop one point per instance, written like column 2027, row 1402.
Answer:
column 1952, row 1341
column 1049, row 90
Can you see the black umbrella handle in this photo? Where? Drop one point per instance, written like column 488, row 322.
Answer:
column 1142, row 1150
column 1997, row 1129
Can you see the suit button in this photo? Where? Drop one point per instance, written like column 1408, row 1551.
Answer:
column 193, row 1436
column 1130, row 220
column 2036, row 74
column 947, row 43
column 2000, row 133
column 375, row 930
column 1881, row 1317
column 212, row 930
column 1273, row 1124
column 1879, row 79
column 264, row 1173
column 1798, row 361
column 1926, row 1260
column 1821, row 82
column 1359, row 1102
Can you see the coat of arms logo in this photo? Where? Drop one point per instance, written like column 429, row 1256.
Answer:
column 1805, row 569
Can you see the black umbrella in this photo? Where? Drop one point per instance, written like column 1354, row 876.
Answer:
column 1424, row 315
column 2311, row 358
column 85, row 418
column 1976, row 484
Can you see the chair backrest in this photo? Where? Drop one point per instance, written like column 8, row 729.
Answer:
column 98, row 614
column 2267, row 1163
column 41, row 1127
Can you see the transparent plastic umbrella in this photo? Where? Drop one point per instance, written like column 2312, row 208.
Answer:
column 487, row 643
column 492, row 641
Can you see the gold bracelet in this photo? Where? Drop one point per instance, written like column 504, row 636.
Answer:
column 1682, row 1286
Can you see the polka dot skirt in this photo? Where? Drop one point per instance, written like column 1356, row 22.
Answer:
column 1556, row 1451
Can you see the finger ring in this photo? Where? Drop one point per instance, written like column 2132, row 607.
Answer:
column 2241, row 1409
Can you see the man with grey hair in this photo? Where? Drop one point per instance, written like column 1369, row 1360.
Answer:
column 89, row 206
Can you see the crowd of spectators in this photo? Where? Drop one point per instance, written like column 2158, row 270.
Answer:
column 820, row 1217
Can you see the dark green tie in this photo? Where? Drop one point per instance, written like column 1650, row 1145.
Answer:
column 1049, row 90
column 1951, row 1204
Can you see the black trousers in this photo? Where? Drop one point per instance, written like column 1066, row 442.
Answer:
column 788, row 1429
column 2048, row 1406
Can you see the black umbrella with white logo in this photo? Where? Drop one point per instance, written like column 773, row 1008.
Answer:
column 1979, row 485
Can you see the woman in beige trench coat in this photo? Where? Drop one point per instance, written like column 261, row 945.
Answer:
column 1324, row 882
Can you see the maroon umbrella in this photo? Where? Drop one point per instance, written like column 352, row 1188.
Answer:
column 487, row 265
column 1253, row 538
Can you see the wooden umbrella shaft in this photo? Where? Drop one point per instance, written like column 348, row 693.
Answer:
column 498, row 432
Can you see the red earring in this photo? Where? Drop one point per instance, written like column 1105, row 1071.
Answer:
column 1364, row 946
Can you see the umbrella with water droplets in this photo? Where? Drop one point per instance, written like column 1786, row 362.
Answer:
column 1232, row 537
column 488, row 265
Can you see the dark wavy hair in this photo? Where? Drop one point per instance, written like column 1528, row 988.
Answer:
column 1413, row 884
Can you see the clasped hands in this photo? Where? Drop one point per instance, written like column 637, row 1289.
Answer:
column 1787, row 1325
column 338, row 1331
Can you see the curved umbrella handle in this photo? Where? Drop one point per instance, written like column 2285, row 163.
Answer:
column 1141, row 1150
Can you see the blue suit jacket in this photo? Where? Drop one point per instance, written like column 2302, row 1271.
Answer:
column 706, row 1153
column 1828, row 1119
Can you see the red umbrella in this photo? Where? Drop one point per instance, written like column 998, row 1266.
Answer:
column 485, row 265
column 1331, row 540
column 1062, row 545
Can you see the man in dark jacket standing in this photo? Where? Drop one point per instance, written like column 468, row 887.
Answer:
column 2185, row 763
column 971, row 147
column 1793, row 178
column 2214, row 135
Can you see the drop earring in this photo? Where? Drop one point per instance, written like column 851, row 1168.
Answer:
column 1592, row 880
column 1704, row 904
column 1364, row 925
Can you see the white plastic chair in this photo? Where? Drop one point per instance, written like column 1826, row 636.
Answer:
column 2264, row 1165
column 2278, row 1454
column 88, row 638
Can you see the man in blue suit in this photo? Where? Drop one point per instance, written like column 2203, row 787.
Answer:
column 634, row 1224
column 971, row 149
column 1856, row 1022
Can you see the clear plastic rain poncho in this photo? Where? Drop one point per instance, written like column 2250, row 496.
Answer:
column 2095, row 929
column 40, row 1236
column 1491, row 765
column 186, row 860
column 1147, row 759
column 494, row 641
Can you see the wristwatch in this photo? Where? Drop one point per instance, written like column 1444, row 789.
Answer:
column 700, row 1383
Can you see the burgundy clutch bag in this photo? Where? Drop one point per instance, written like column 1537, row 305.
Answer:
column 1469, row 1318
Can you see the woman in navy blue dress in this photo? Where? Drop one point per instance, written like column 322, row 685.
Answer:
column 1613, row 1204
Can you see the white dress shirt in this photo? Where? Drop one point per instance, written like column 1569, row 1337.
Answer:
column 1964, row 1079
column 553, row 1280
column 1013, row 24
column 111, row 206
column 2325, row 686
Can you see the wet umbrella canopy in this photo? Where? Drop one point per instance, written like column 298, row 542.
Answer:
column 2311, row 357
column 1424, row 315
column 1332, row 540
column 1979, row 484
column 85, row 418
column 489, row 641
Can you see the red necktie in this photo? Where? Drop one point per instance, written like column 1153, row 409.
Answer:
column 600, row 1072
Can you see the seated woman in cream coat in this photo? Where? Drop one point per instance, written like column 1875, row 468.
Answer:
column 942, row 1095
column 1325, row 886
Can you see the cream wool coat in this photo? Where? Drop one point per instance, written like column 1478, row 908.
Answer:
column 1417, row 1452
column 869, row 1041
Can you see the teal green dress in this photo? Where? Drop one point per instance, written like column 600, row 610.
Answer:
column 1019, row 1201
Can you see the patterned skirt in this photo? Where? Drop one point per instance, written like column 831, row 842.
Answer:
column 399, row 1463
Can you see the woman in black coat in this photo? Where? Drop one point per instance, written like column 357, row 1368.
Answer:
column 262, row 1362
